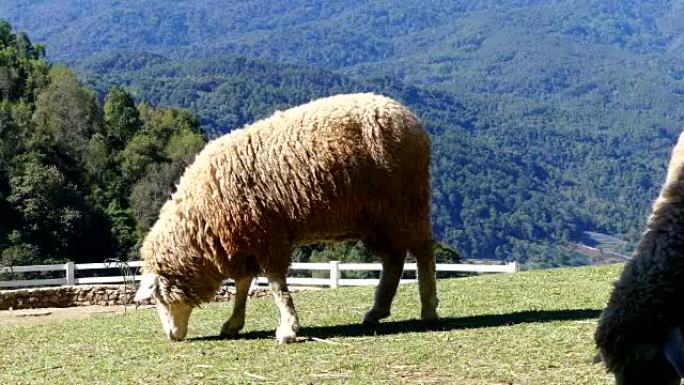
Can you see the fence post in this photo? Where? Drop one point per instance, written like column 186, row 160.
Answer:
column 514, row 266
column 334, row 274
column 70, row 273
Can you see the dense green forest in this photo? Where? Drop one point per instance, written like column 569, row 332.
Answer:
column 79, row 180
column 550, row 119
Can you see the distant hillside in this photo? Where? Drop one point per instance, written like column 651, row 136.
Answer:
column 488, row 203
column 549, row 118
column 230, row 91
column 344, row 33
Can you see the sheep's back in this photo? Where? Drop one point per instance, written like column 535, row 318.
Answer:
column 335, row 168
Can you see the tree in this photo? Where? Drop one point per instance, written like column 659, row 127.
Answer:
column 150, row 192
column 445, row 254
column 66, row 116
column 6, row 36
column 183, row 146
column 121, row 117
column 24, row 46
column 16, row 253
column 155, row 157
column 124, row 234
column 50, row 209
column 68, row 165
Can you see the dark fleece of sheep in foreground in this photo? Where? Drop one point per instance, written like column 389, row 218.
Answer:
column 639, row 334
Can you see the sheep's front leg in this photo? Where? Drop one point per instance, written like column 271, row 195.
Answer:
column 289, row 323
column 237, row 319
column 384, row 293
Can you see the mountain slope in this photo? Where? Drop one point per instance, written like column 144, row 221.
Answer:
column 489, row 202
column 307, row 32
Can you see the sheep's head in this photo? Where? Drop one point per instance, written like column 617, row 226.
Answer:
column 174, row 315
column 655, row 364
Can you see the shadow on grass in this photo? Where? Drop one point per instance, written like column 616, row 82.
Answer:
column 416, row 326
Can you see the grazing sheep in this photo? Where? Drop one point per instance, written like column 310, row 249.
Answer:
column 639, row 334
column 343, row 167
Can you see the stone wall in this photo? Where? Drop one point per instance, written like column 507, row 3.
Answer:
column 68, row 296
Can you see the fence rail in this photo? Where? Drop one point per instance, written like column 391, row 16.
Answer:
column 334, row 269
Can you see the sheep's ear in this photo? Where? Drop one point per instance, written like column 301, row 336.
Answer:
column 148, row 285
column 674, row 351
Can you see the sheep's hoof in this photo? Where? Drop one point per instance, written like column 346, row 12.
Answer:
column 373, row 317
column 285, row 335
column 431, row 324
column 429, row 316
column 229, row 331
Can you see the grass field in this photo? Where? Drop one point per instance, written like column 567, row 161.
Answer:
column 525, row 328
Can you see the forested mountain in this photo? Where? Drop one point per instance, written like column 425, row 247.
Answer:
column 488, row 202
column 343, row 33
column 549, row 118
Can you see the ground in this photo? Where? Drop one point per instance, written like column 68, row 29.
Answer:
column 524, row 328
column 51, row 314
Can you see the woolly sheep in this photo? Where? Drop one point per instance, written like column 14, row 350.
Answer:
column 639, row 334
column 344, row 167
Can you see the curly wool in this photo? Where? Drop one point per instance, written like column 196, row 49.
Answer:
column 344, row 167
column 646, row 302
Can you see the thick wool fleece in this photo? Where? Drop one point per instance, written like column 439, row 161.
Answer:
column 647, row 300
column 344, row 167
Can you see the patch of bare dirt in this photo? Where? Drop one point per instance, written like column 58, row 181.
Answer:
column 67, row 313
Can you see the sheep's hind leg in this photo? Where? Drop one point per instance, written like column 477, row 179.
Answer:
column 237, row 319
column 289, row 323
column 392, row 268
column 427, row 281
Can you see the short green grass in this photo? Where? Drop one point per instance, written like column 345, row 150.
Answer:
column 525, row 328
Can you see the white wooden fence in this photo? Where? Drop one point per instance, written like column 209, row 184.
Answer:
column 334, row 268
